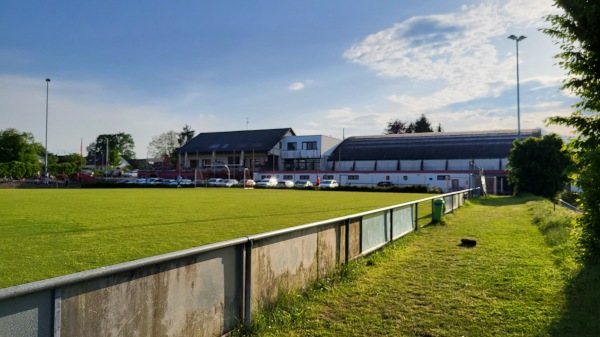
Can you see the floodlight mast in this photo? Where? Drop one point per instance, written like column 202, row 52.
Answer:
column 517, row 40
column 46, row 159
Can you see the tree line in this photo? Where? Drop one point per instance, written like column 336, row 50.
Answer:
column 22, row 156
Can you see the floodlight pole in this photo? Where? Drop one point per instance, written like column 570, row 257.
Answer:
column 517, row 40
column 46, row 146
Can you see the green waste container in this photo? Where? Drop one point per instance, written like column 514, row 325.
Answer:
column 438, row 209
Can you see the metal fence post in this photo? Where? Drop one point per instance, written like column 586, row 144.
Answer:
column 416, row 217
column 248, row 286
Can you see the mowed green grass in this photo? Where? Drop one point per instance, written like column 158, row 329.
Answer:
column 52, row 232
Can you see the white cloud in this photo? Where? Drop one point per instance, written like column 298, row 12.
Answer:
column 453, row 49
column 296, row 86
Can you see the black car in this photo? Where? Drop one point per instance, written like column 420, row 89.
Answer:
column 385, row 184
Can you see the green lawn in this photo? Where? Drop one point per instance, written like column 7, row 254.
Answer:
column 515, row 282
column 52, row 232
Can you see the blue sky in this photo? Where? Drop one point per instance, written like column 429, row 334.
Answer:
column 337, row 68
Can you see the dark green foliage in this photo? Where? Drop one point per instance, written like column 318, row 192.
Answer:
column 539, row 166
column 185, row 135
column 421, row 125
column 16, row 169
column 18, row 146
column 119, row 144
column 577, row 30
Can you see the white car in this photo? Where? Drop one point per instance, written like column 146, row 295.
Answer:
column 303, row 183
column 247, row 182
column 131, row 174
column 214, row 181
column 329, row 183
column 286, row 183
column 267, row 182
column 182, row 182
column 226, row 182
column 154, row 181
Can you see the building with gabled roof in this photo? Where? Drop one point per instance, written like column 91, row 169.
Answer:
column 252, row 149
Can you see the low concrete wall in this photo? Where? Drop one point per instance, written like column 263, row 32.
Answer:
column 203, row 291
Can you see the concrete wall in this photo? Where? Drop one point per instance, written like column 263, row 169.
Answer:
column 203, row 291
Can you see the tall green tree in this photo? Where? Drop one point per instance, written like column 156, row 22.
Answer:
column 577, row 31
column 185, row 135
column 19, row 146
column 119, row 144
column 395, row 127
column 539, row 166
column 422, row 125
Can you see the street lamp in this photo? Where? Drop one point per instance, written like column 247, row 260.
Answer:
column 46, row 162
column 517, row 40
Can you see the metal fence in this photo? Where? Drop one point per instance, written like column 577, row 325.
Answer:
column 202, row 291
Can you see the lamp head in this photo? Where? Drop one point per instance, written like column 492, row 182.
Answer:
column 520, row 38
column 47, row 80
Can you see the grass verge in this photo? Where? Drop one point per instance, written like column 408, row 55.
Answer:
column 512, row 283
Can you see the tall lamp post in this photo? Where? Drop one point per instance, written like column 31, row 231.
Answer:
column 46, row 162
column 517, row 40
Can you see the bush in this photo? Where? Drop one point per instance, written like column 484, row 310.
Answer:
column 17, row 169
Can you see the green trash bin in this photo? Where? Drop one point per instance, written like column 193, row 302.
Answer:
column 438, row 209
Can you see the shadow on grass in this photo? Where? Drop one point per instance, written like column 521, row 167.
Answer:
column 581, row 316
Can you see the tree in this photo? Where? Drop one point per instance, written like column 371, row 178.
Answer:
column 539, row 166
column 185, row 135
column 19, row 146
column 73, row 158
column 395, row 127
column 422, row 124
column 119, row 145
column 577, row 30
column 164, row 144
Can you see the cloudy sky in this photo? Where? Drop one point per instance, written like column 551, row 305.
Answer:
column 337, row 67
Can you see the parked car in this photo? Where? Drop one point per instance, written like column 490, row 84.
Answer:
column 183, row 182
column 131, row 174
column 88, row 172
column 154, row 181
column 213, row 181
column 141, row 181
column 226, row 182
column 329, row 183
column 303, row 183
column 286, row 183
column 247, row 182
column 385, row 184
column 267, row 182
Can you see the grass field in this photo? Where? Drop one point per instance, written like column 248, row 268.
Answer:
column 521, row 279
column 50, row 232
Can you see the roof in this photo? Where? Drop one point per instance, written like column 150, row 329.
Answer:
column 229, row 141
column 432, row 145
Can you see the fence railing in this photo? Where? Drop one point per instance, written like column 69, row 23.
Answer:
column 202, row 291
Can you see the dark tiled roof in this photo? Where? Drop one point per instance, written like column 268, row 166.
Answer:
column 444, row 145
column 252, row 140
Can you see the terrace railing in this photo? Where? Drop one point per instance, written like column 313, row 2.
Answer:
column 207, row 290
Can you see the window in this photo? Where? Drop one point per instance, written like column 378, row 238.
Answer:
column 303, row 177
column 309, row 145
column 288, row 177
column 353, row 177
column 328, row 176
column 291, row 146
column 443, row 177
